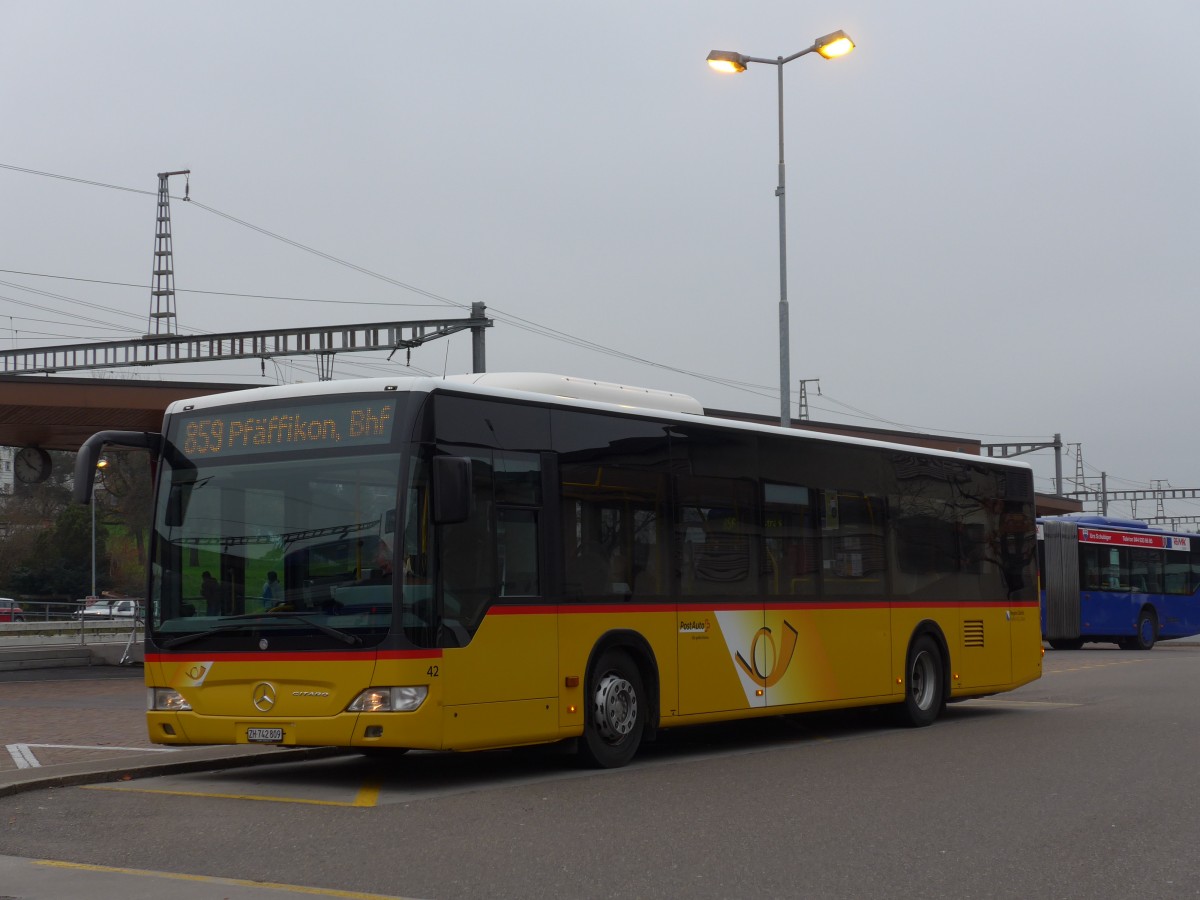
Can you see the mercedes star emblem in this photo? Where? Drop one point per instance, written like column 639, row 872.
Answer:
column 264, row 696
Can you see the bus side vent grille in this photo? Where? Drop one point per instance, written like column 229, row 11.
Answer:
column 973, row 633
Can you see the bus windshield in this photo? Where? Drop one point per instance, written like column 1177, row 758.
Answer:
column 287, row 553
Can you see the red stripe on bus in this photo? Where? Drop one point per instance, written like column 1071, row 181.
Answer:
column 732, row 605
column 410, row 654
column 565, row 608
column 618, row 608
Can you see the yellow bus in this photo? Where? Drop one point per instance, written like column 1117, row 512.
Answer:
column 510, row 559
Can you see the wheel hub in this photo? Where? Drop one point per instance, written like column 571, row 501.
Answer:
column 616, row 707
column 921, row 681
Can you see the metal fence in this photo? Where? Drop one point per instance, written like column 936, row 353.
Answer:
column 70, row 622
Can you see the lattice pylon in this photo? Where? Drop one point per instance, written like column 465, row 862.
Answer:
column 162, row 287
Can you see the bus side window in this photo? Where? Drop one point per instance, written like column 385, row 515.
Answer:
column 517, row 488
column 467, row 551
column 1091, row 568
column 717, row 536
column 517, row 554
column 1115, row 573
column 854, row 560
column 791, row 561
column 612, row 531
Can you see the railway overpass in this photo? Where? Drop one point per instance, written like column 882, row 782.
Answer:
column 61, row 413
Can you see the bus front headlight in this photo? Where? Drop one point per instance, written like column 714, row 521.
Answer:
column 166, row 700
column 389, row 699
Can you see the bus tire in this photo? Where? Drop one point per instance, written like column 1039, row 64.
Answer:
column 1147, row 631
column 924, row 691
column 1066, row 643
column 615, row 716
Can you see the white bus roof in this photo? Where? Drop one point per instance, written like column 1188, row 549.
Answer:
column 585, row 389
column 563, row 386
column 580, row 392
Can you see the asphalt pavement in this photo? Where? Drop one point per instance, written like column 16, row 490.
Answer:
column 43, row 879
column 70, row 726
column 87, row 724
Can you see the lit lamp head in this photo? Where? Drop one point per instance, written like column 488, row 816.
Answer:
column 833, row 45
column 727, row 61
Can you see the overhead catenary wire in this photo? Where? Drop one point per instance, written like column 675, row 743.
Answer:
column 243, row 296
column 497, row 313
column 361, row 365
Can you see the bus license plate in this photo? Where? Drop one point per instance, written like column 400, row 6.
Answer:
column 264, row 735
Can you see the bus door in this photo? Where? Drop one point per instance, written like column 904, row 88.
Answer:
column 726, row 652
column 499, row 664
column 1060, row 581
column 849, row 655
column 1018, row 548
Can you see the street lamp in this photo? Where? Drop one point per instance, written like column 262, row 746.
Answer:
column 100, row 464
column 830, row 46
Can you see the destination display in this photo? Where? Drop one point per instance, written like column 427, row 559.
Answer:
column 344, row 424
column 1133, row 539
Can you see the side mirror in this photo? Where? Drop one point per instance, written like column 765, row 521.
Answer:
column 177, row 503
column 89, row 455
column 453, row 499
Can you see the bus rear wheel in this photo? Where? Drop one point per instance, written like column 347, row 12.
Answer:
column 924, row 694
column 1147, row 632
column 615, row 716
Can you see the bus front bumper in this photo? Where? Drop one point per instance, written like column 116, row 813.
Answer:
column 412, row 730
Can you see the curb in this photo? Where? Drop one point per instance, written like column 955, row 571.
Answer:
column 131, row 767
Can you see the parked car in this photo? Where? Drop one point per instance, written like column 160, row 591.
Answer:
column 111, row 609
column 10, row 611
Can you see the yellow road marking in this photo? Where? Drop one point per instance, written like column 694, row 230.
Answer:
column 208, row 879
column 367, row 796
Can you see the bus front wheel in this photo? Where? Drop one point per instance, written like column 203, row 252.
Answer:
column 924, row 694
column 615, row 717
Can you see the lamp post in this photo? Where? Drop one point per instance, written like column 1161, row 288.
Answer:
column 100, row 464
column 830, row 46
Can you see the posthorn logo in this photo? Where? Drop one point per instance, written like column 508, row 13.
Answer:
column 768, row 663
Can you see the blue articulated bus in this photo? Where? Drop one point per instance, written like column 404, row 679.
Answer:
column 1107, row 580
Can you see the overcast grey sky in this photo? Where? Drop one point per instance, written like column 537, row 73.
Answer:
column 992, row 208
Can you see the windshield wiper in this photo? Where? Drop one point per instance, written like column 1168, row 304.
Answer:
column 344, row 637
column 197, row 635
